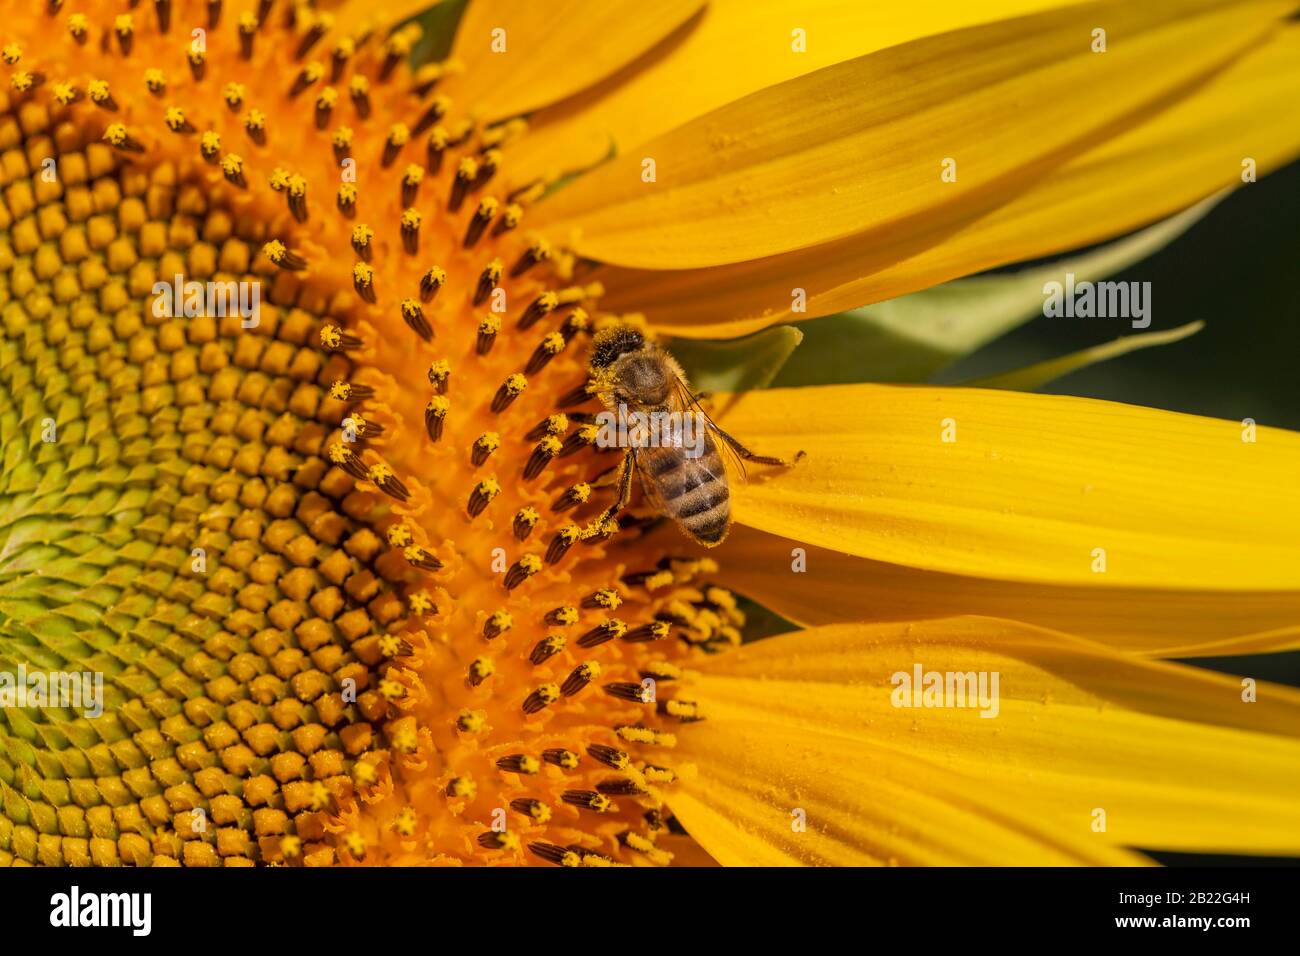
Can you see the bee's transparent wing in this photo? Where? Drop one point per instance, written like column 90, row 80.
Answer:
column 735, row 465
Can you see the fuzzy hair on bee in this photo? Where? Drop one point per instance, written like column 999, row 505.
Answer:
column 687, row 481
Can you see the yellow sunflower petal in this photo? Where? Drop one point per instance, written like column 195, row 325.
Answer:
column 1025, row 487
column 1173, row 755
column 734, row 48
column 518, row 56
column 752, row 783
column 1180, row 156
column 833, row 588
column 815, row 158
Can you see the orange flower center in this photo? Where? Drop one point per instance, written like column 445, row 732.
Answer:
column 335, row 554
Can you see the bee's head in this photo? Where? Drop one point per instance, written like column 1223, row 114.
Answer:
column 611, row 343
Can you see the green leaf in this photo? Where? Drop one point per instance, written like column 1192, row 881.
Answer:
column 1040, row 373
column 910, row 338
column 736, row 365
column 439, row 23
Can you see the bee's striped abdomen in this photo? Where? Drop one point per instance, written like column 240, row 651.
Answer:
column 692, row 491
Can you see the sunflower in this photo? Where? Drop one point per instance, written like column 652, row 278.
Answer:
column 343, row 559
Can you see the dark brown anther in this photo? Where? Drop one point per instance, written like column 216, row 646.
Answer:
column 198, row 64
column 602, row 632
column 550, row 425
column 573, row 496
column 335, row 339
column 247, row 29
column 509, row 219
column 263, row 8
column 544, row 304
column 411, row 184
column 488, row 328
column 359, row 90
column 562, row 616
column 436, row 111
column 539, row 251
column 466, row 173
column 487, row 281
column 439, row 376
column 125, row 35
column 577, row 396
column 510, row 389
column 607, row 598
column 349, row 392
column 363, row 280
column 392, row 58
column 482, row 496
column 339, row 57
column 522, row 570
column 492, row 840
column 533, row 809
column 545, row 450
column 575, row 322
column 255, row 126
column 413, row 316
column 210, row 148
column 164, row 10
column 343, row 457
column 487, row 208
column 488, row 164
column 541, row 698
column 611, row 757
column 396, row 139
column 435, row 413
column 388, row 483
column 583, row 437
column 411, row 232
column 309, row 40
column 551, row 346
column 552, row 853
column 578, row 678
column 480, row 669
column 342, row 142
column 421, row 558
column 308, row 75
column 214, row 14
column 625, row 690
column 654, row 631
column 325, row 107
column 524, row 522
column 436, row 148
column 298, row 200
column 484, row 447
column 560, row 544
column 586, row 800
column 621, row 787
column 496, row 625
column 564, row 759
column 430, row 283
column 518, row 763
column 347, row 200
column 545, row 649
column 361, row 242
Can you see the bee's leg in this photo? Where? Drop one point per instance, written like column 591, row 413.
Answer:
column 624, row 492
column 748, row 455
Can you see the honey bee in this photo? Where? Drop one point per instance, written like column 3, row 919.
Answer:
column 676, row 448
